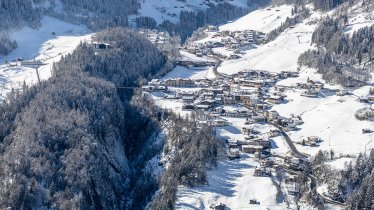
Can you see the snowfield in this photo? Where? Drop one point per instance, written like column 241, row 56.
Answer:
column 192, row 73
column 40, row 44
column 264, row 20
column 231, row 183
column 330, row 117
column 331, row 120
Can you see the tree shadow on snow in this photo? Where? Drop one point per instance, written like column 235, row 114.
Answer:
column 186, row 206
column 273, row 144
column 232, row 129
column 220, row 180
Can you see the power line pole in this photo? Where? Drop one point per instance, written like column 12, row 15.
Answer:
column 37, row 73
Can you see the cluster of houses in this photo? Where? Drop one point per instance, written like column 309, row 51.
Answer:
column 312, row 141
column 195, row 63
column 310, row 88
column 294, row 163
column 292, row 186
column 367, row 99
column 162, row 40
column 155, row 36
column 249, row 95
column 250, row 89
column 242, row 38
column 230, row 40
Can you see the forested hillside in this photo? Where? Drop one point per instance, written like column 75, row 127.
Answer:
column 194, row 151
column 341, row 58
column 326, row 5
column 97, row 14
column 66, row 143
column 352, row 185
column 189, row 21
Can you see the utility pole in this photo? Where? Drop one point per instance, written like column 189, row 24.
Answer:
column 35, row 64
column 37, row 73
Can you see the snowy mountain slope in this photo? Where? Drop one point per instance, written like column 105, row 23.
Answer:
column 333, row 121
column 264, row 20
column 162, row 10
column 192, row 73
column 30, row 40
column 278, row 55
column 40, row 45
column 231, row 183
column 359, row 18
column 330, row 117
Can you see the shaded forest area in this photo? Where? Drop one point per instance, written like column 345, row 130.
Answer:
column 67, row 142
column 78, row 141
column 194, row 151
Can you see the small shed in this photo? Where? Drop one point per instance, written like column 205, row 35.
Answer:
column 100, row 45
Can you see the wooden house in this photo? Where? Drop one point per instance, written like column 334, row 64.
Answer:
column 274, row 133
column 220, row 206
column 271, row 115
column 219, row 122
column 252, row 148
column 262, row 172
column 258, row 119
column 234, row 153
column 188, row 107
column 179, row 82
column 100, row 45
column 188, row 99
column 274, row 99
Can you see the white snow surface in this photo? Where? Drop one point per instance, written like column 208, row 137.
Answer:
column 191, row 73
column 330, row 117
column 340, row 164
column 40, row 44
column 231, row 183
column 264, row 20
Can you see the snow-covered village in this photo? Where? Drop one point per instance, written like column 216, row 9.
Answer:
column 187, row 104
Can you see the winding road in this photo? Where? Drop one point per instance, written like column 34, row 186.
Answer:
column 292, row 146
